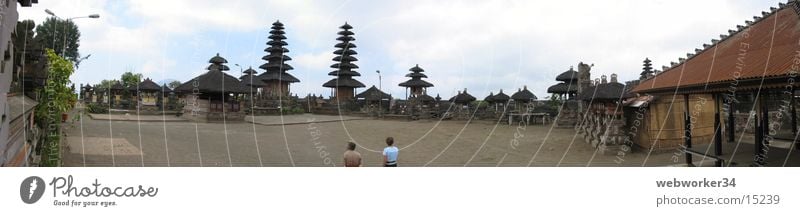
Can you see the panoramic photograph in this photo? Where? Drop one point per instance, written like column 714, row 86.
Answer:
column 319, row 84
column 418, row 107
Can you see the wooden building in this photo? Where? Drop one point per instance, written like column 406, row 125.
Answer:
column 343, row 86
column 374, row 100
column 148, row 94
column 117, row 95
column 740, row 90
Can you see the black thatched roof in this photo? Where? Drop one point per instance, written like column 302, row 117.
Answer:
column 416, row 78
column 523, row 95
column 165, row 88
column 218, row 67
column 423, row 98
column 501, row 97
column 217, row 60
column 416, row 83
column 563, row 88
column 343, row 82
column 568, row 76
column 373, row 94
column 463, row 98
column 490, row 98
column 276, row 65
column 251, row 80
column 610, row 91
column 343, row 63
column 149, row 85
column 117, row 86
column 283, row 77
column 214, row 81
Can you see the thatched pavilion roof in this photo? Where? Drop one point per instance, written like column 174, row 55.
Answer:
column 373, row 94
column 523, row 95
column 563, row 88
column 568, row 76
column 149, row 85
column 214, row 81
column 462, row 98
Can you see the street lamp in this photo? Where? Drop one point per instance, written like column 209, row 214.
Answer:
column 241, row 72
column 380, row 96
column 49, row 12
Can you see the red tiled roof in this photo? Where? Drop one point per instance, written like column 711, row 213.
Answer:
column 768, row 47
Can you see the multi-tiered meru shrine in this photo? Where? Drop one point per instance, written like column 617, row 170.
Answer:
column 343, row 86
column 276, row 79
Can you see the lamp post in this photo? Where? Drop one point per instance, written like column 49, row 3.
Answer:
column 64, row 48
column 380, row 96
column 241, row 72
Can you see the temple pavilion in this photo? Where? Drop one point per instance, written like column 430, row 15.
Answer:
column 253, row 84
column 567, row 86
column 374, row 100
column 343, row 86
column 212, row 96
column 276, row 79
column 117, row 95
column 524, row 99
column 416, row 84
column 147, row 94
column 497, row 102
column 602, row 121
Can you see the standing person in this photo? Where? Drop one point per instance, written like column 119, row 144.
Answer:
column 390, row 153
column 351, row 157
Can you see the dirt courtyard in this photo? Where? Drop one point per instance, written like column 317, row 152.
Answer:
column 322, row 142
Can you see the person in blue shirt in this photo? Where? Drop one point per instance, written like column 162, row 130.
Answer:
column 390, row 153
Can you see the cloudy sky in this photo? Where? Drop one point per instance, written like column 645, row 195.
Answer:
column 480, row 45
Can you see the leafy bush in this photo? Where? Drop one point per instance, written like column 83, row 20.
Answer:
column 292, row 110
column 60, row 99
column 97, row 108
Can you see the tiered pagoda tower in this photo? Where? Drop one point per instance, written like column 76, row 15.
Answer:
column 647, row 70
column 276, row 79
column 568, row 86
column 344, row 85
column 416, row 84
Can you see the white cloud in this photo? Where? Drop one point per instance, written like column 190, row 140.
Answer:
column 481, row 45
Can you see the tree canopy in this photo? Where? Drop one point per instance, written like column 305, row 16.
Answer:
column 60, row 35
column 174, row 84
column 130, row 79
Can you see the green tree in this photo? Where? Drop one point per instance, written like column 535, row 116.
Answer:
column 130, row 79
column 106, row 84
column 174, row 84
column 59, row 99
column 60, row 35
